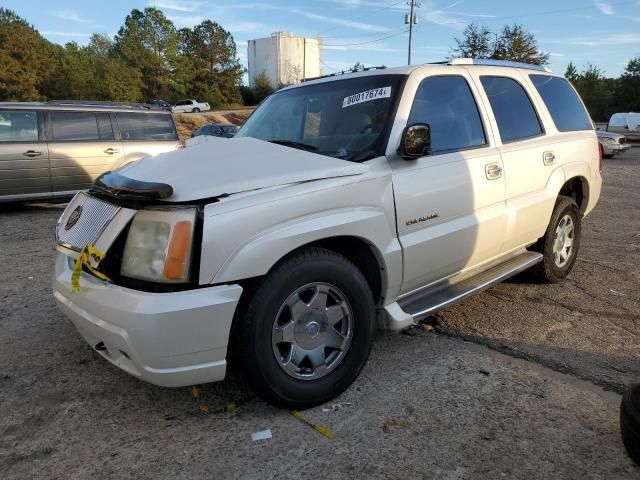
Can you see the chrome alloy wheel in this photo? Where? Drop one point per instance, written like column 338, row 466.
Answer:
column 312, row 331
column 563, row 241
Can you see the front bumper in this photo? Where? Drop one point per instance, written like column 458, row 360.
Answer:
column 168, row 339
column 614, row 148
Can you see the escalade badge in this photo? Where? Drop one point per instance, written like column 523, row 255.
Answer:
column 73, row 218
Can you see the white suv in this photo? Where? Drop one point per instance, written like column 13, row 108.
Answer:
column 346, row 203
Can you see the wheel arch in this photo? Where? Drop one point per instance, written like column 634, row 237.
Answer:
column 577, row 187
column 364, row 255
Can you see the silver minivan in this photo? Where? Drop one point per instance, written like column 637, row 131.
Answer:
column 54, row 149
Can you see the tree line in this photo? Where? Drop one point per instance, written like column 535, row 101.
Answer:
column 148, row 58
column 603, row 96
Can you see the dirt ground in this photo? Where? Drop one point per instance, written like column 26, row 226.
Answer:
column 521, row 381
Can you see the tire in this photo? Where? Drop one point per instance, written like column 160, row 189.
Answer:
column 195, row 110
column 552, row 270
column 630, row 422
column 290, row 373
column 608, row 156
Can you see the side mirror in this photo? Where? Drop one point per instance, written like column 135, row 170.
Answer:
column 416, row 141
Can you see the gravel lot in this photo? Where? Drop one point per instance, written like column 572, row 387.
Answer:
column 433, row 402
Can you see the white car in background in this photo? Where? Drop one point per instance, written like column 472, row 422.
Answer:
column 186, row 106
column 612, row 143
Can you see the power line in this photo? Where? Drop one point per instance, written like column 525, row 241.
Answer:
column 404, row 30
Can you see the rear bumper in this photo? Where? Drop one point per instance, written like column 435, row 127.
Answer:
column 168, row 339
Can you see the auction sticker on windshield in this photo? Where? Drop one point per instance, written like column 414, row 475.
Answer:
column 384, row 92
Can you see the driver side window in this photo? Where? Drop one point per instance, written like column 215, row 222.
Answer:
column 448, row 106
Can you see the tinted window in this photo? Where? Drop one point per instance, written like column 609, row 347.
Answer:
column 18, row 126
column 146, row 126
column 447, row 105
column 516, row 117
column 104, row 127
column 74, row 126
column 562, row 102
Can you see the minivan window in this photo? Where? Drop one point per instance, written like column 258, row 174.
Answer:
column 512, row 108
column 447, row 105
column 563, row 104
column 146, row 126
column 74, row 126
column 18, row 126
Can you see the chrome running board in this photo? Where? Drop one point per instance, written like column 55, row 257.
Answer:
column 426, row 302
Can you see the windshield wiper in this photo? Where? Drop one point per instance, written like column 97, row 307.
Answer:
column 291, row 143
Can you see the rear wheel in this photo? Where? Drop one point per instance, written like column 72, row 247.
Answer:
column 307, row 330
column 561, row 241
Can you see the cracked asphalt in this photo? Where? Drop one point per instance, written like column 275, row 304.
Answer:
column 522, row 381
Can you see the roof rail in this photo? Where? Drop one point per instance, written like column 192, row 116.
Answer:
column 90, row 103
column 497, row 63
column 344, row 72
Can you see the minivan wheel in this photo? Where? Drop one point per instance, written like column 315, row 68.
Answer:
column 307, row 330
column 196, row 110
column 561, row 241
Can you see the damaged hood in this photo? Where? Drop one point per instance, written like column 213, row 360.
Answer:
column 226, row 166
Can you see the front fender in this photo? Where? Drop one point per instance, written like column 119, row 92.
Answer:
column 243, row 241
column 255, row 257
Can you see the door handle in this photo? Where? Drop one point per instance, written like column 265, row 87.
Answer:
column 548, row 158
column 111, row 151
column 32, row 153
column 493, row 171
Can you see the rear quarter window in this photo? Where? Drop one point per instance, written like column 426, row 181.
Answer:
column 563, row 103
column 146, row 126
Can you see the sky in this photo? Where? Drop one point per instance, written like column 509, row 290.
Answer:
column 605, row 33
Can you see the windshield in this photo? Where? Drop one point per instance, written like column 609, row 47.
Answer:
column 348, row 119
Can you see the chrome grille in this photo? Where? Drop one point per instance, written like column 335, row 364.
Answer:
column 622, row 140
column 94, row 216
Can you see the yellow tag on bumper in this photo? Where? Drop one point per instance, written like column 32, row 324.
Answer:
column 84, row 260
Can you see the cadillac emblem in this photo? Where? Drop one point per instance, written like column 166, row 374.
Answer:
column 73, row 218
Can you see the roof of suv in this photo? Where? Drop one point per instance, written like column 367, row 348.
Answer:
column 407, row 69
column 76, row 105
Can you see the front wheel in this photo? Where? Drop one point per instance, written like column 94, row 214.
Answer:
column 196, row 110
column 307, row 330
column 561, row 241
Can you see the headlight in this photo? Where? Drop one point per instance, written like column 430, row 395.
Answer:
column 158, row 246
column 609, row 141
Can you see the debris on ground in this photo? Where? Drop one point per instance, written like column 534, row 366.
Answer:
column 393, row 423
column 323, row 430
column 261, row 435
column 336, row 406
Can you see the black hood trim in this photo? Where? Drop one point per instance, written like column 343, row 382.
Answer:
column 118, row 186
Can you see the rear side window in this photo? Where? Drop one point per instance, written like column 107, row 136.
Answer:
column 74, row 126
column 18, row 126
column 562, row 102
column 512, row 107
column 146, row 126
column 447, row 105
column 104, row 126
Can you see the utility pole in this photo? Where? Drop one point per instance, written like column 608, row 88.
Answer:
column 411, row 19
